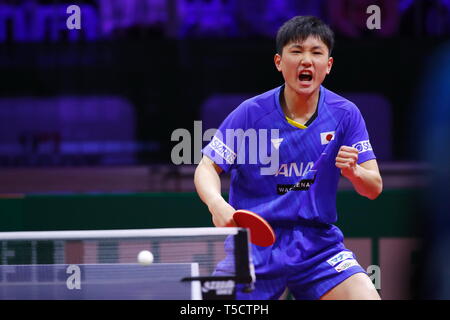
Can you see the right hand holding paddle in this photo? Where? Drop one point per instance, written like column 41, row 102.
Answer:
column 222, row 213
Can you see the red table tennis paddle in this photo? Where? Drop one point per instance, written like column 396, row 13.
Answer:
column 261, row 233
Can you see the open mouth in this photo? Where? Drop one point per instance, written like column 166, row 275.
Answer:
column 305, row 76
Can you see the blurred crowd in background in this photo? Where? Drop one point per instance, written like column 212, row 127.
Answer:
column 106, row 19
column 113, row 91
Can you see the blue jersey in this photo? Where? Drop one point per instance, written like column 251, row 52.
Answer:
column 284, row 171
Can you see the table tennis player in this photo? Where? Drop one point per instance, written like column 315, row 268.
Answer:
column 297, row 124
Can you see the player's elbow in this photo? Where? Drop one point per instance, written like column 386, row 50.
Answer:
column 205, row 171
column 376, row 190
column 198, row 173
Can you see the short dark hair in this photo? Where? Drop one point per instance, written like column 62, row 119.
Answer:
column 299, row 28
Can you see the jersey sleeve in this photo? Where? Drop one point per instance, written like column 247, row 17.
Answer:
column 356, row 135
column 224, row 146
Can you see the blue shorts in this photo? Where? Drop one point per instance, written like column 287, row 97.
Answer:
column 309, row 260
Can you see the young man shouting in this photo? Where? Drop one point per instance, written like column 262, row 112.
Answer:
column 308, row 257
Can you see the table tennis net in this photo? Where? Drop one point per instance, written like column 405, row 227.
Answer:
column 104, row 265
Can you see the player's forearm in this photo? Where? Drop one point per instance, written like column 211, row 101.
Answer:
column 367, row 183
column 208, row 186
column 207, row 183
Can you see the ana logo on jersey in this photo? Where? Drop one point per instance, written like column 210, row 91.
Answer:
column 326, row 137
column 292, row 169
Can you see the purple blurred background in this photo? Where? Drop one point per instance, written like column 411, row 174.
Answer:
column 113, row 92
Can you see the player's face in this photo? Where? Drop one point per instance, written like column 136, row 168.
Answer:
column 304, row 65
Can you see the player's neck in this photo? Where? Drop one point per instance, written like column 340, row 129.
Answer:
column 299, row 107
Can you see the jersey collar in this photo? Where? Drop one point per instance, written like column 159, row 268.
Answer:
column 291, row 121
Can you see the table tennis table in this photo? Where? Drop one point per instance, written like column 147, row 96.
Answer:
column 158, row 281
column 101, row 264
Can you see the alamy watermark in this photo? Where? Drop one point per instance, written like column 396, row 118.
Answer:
column 238, row 146
column 74, row 20
column 374, row 20
column 374, row 273
column 73, row 281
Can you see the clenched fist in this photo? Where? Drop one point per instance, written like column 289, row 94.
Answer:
column 347, row 161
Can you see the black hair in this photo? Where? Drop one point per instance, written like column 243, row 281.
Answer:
column 299, row 28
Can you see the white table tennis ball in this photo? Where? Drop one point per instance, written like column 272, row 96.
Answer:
column 145, row 257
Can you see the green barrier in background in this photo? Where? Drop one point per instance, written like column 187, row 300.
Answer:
column 393, row 214
column 383, row 233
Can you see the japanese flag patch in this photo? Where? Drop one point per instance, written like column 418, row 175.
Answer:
column 326, row 137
